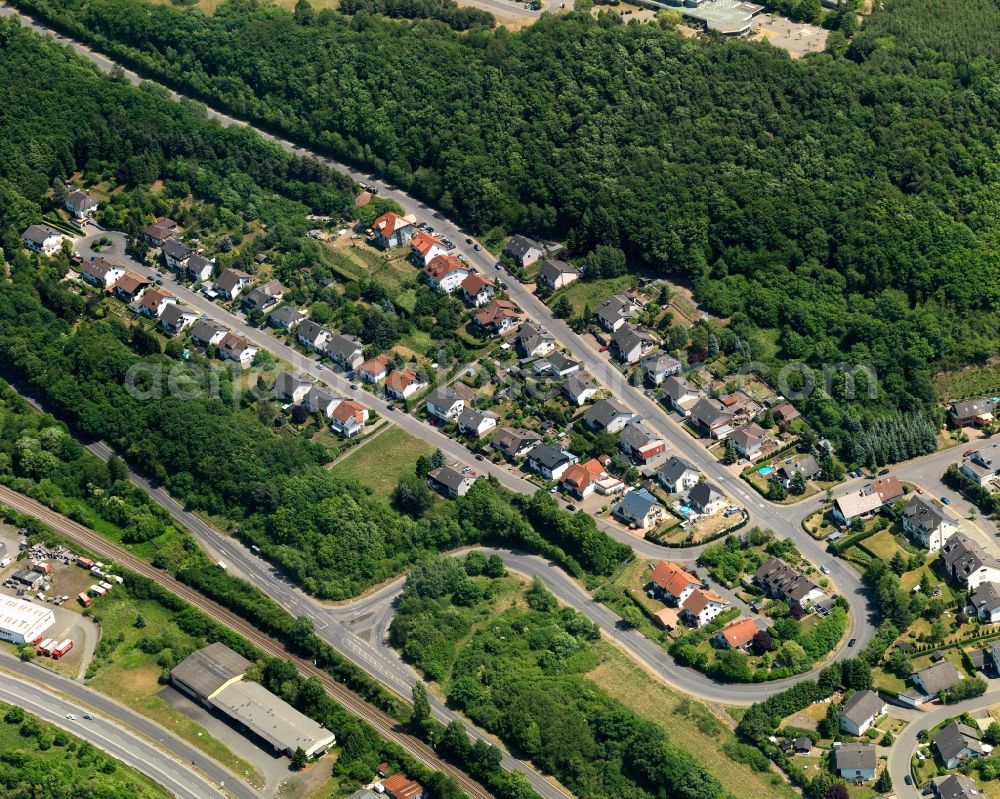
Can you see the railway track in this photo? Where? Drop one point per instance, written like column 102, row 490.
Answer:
column 386, row 726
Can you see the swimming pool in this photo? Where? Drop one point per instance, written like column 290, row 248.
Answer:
column 685, row 510
column 764, row 471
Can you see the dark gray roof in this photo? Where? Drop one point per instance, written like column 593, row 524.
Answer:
column 80, row 200
column 987, row 595
column 511, row 439
column 344, row 347
column 288, row 315
column 286, row 384
column 601, row 414
column 197, row 262
column 206, row 670
column 309, row 330
column 806, row 466
column 973, row 407
column 862, row 706
column 628, row 336
column 173, row 314
column 854, row 756
column 709, row 411
column 703, row 494
column 954, row 738
column 38, row 233
column 548, row 456
column 443, row 397
column 636, row 504
column 470, row 417
column 204, row 329
column 448, row 477
column 956, row 786
column 577, row 383
column 551, row 270
column 636, row 435
column 964, row 557
column 176, row 249
column 939, row 676
column 229, row 278
column 748, row 435
column 519, row 246
column 675, row 388
column 529, row 337
column 778, row 577
column 561, row 363
column 923, row 514
column 660, row 362
column 319, row 397
column 674, row 469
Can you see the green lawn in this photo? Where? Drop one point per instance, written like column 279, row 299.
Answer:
column 592, row 293
column 974, row 381
column 381, row 462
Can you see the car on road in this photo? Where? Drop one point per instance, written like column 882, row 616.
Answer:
column 498, row 266
column 477, row 246
column 603, row 348
column 908, row 779
column 825, row 569
column 88, row 717
column 553, row 490
column 159, row 282
column 71, row 716
column 479, row 457
column 945, row 500
column 852, row 642
column 354, row 386
column 468, row 240
column 391, row 407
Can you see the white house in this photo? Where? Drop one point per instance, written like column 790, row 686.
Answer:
column 677, row 475
column 101, row 272
column 348, row 418
column 43, row 239
column 556, row 274
column 236, row 348
column 403, row 384
column 313, row 335
column 641, row 509
column 927, row 525
column 445, row 403
column 986, row 601
column 859, row 712
column 702, row 606
column 231, row 283
column 476, row 423
column 80, row 204
column 319, row 400
column 292, row 389
column 446, row 273
column 550, row 461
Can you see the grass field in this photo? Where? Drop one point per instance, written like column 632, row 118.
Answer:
column 975, row 381
column 883, row 544
column 592, row 293
column 690, row 724
column 380, row 462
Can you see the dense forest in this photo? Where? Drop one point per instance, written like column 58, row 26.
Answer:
column 841, row 203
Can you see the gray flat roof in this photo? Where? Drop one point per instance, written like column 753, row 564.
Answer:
column 208, row 669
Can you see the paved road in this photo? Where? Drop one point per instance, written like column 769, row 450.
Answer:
column 123, row 734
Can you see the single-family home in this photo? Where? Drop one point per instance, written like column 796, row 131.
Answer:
column 346, row 350
column 206, row 333
column 286, row 318
column 348, row 418
column 659, row 367
column 425, row 248
column 445, row 403
column 608, row 415
column 673, row 584
column 497, row 317
column 640, row 444
column 533, row 342
column 446, row 273
column 130, row 287
column 956, row 786
column 702, row 606
column 523, row 250
column 854, row 762
column 859, row 712
column 451, row 482
column 556, row 274
column 176, row 253
column 176, row 319
column 403, row 384
column 477, row 289
column 312, row 335
column 927, row 525
column 677, row 475
column 982, row 465
column 976, row 412
column 630, row 344
column 320, row 400
column 615, row 311
column 562, row 365
column 159, row 231
column 737, row 634
column 155, row 301
column 236, row 348
column 264, row 297
column 956, row 742
column 476, row 424
column 748, row 440
column 513, row 443
column 581, row 479
column 705, row 498
column 968, row 563
column 101, row 272
column 289, row 388
column 937, row 677
column 986, row 601
column 579, row 388
column 781, row 581
column 43, row 239
column 806, row 466
column 231, row 282
column 641, row 509
column 680, row 395
column 374, row 370
column 200, row 268
column 80, row 204
column 392, row 230
column 712, row 418
column 992, row 655
column 784, row 413
column 863, row 502
column 550, row 461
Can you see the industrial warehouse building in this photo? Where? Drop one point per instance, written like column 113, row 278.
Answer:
column 214, row 677
column 22, row 621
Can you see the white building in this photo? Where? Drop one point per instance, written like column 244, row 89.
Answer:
column 22, row 621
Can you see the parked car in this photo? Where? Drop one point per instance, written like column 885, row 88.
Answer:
column 945, row 500
column 918, row 489
column 908, row 779
column 391, row 407
column 603, row 348
column 967, row 453
column 479, row 457
column 825, row 569
column 852, row 642
column 571, row 507
column 883, row 473
column 477, row 246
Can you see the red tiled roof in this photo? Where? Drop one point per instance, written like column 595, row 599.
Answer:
column 401, row 379
column 475, row 283
column 152, row 298
column 376, row 365
column 739, row 633
column 699, row 600
column 442, row 265
column 389, row 223
column 423, row 242
column 402, row 787
column 349, row 409
column 495, row 311
column 672, row 578
column 582, row 475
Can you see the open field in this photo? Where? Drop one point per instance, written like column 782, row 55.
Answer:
column 593, row 292
column 974, row 381
column 380, row 463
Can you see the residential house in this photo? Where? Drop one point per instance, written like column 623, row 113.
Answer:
column 866, row 500
column 562, row 366
column 313, row 335
column 476, row 424
column 446, row 273
column 992, row 655
column 659, row 367
column 403, row 384
column 533, row 342
column 497, row 317
column 630, row 344
column 968, row 563
column 176, row 319
column 319, row 400
column 425, row 249
column 615, row 311
column 43, row 239
column 101, row 272
column 579, row 388
column 286, row 318
column 982, row 465
column 737, row 634
column 712, row 418
column 784, row 413
column 399, row 786
column 236, row 348
column 677, row 475
column 206, row 333
column 513, row 443
column 289, row 388
column 806, row 466
column 956, row 742
column 176, row 253
column 155, row 301
column 200, row 268
column 231, row 282
column 927, row 525
column 781, row 581
column 556, row 274
column 956, row 786
column 854, row 762
column 80, row 204
column 859, row 712
column 130, row 287
column 672, row 583
column 523, row 250
column 264, row 298
column 608, row 415
column 702, row 606
column 705, row 498
column 680, row 395
column 550, row 461
column 986, row 601
column 477, row 289
column 374, row 370
column 348, row 418
column 937, row 677
column 162, row 229
column 451, row 482
column 641, row 509
column 445, row 403
column 581, row 479
column 748, row 440
column 976, row 412
column 348, row 351
column 640, row 444
column 392, row 230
